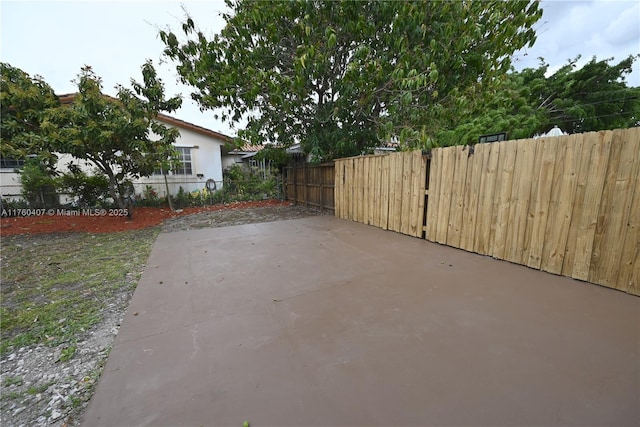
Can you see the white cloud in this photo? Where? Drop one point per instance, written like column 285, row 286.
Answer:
column 603, row 29
column 625, row 28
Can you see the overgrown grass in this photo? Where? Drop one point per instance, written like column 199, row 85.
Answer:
column 55, row 287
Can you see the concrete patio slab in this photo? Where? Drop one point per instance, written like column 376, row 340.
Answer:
column 326, row 322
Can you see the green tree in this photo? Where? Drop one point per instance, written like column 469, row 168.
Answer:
column 592, row 98
column 277, row 156
column 506, row 108
column 340, row 76
column 117, row 135
column 24, row 101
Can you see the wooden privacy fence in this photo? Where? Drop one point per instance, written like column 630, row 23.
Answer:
column 384, row 191
column 568, row 205
column 311, row 185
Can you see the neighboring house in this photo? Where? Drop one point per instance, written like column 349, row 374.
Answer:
column 243, row 156
column 200, row 156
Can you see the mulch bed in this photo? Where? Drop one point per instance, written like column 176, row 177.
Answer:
column 143, row 218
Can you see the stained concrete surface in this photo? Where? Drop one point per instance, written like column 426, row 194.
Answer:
column 321, row 321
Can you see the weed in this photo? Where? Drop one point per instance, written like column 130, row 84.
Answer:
column 67, row 353
column 39, row 388
column 12, row 395
column 9, row 381
column 75, row 401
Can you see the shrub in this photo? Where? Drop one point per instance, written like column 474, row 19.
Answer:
column 182, row 199
column 90, row 190
column 150, row 198
column 38, row 185
column 14, row 204
column 243, row 184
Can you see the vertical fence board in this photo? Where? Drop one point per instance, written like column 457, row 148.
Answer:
column 338, row 190
column 375, row 190
column 589, row 215
column 472, row 191
column 420, row 168
column 516, row 228
column 353, row 196
column 524, row 202
column 341, row 190
column 487, row 190
column 398, row 166
column 532, row 201
column 483, row 150
column 588, row 147
column 375, row 214
column 561, row 206
column 624, row 240
column 384, row 189
column 542, row 200
column 407, row 170
column 609, row 216
column 361, row 189
column 345, row 190
column 354, row 190
column 629, row 271
column 414, row 185
column 391, row 182
column 444, row 203
column 496, row 198
column 434, row 194
column 349, row 179
column 366, row 191
column 507, row 161
column 457, row 197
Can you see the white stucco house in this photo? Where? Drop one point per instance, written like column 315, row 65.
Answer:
column 200, row 156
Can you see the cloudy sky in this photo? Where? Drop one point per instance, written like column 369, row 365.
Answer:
column 56, row 38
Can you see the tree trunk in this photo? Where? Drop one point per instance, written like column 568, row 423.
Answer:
column 112, row 190
column 166, row 185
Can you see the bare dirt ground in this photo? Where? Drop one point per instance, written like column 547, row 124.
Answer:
column 227, row 218
column 39, row 387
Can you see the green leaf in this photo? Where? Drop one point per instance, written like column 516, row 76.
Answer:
column 332, row 40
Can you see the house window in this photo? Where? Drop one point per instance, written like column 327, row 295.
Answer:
column 184, row 157
column 184, row 168
column 9, row 163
